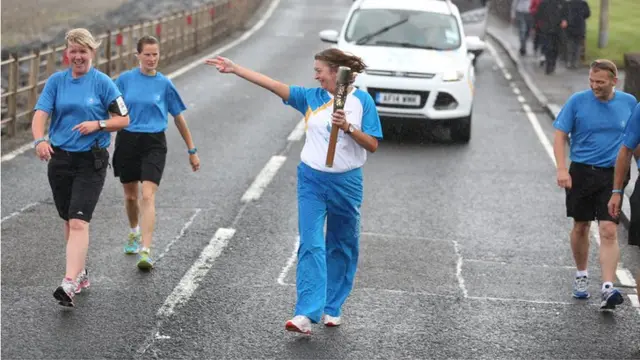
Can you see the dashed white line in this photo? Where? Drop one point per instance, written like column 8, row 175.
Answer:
column 264, row 178
column 521, row 99
column 17, row 152
column 634, row 301
column 297, row 132
column 595, row 232
column 289, row 264
column 191, row 280
column 625, row 277
column 516, row 90
column 180, row 235
column 16, row 213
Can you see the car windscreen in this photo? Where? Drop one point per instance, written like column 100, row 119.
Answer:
column 403, row 28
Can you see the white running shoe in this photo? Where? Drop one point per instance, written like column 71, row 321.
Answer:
column 332, row 320
column 300, row 324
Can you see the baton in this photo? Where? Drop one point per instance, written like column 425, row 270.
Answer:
column 342, row 82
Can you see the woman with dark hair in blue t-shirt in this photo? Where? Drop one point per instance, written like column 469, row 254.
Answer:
column 141, row 149
column 84, row 105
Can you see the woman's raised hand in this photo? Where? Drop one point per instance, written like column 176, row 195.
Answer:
column 223, row 65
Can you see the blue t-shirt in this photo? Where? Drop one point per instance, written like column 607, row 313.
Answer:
column 632, row 132
column 71, row 101
column 149, row 99
column 595, row 127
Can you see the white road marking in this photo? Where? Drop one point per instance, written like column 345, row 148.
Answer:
column 625, row 277
column 162, row 337
column 634, row 301
column 507, row 75
column 456, row 247
column 531, row 265
column 521, row 99
column 16, row 213
column 179, row 236
column 289, row 264
column 191, row 280
column 533, row 119
column 17, row 152
column 298, row 132
column 542, row 302
column 230, row 45
column 397, row 236
column 516, row 90
column 185, row 68
column 595, row 232
column 264, row 177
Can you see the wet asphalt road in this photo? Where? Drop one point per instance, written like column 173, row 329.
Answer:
column 464, row 250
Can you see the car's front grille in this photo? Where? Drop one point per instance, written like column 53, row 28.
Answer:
column 423, row 97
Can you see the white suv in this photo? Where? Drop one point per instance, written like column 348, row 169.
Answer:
column 420, row 64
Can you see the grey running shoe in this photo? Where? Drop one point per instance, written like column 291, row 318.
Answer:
column 65, row 292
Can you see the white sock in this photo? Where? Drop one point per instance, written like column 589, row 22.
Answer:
column 607, row 284
column 135, row 230
column 582, row 273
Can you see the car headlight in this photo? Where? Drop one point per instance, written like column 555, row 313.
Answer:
column 452, row 75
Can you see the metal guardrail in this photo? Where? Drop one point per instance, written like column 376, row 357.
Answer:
column 181, row 34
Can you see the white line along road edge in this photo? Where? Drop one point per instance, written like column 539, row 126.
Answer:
column 191, row 280
column 185, row 68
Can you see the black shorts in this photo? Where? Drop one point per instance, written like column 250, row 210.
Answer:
column 76, row 181
column 590, row 192
column 139, row 156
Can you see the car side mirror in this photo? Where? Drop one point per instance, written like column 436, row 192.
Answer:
column 474, row 44
column 329, row 36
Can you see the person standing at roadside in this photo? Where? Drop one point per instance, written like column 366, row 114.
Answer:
column 595, row 120
column 574, row 22
column 141, row 148
column 549, row 17
column 84, row 105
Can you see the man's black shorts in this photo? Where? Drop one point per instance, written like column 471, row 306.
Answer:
column 590, row 192
column 139, row 156
column 76, row 182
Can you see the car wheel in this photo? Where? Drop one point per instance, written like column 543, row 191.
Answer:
column 461, row 130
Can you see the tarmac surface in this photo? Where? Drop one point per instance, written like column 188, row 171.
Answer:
column 464, row 248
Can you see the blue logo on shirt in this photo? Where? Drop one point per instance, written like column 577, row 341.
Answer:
column 327, row 135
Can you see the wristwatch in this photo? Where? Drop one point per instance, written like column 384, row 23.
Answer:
column 102, row 124
column 350, row 129
column 192, row 151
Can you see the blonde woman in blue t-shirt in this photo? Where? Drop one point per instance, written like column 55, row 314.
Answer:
column 326, row 265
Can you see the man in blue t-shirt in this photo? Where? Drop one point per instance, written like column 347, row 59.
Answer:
column 594, row 121
column 630, row 144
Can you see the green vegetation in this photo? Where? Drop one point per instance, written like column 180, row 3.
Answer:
column 624, row 23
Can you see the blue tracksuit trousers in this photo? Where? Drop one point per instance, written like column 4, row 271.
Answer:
column 327, row 266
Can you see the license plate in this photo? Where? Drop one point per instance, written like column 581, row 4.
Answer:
column 398, row 99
